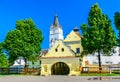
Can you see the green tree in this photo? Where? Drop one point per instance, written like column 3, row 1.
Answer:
column 117, row 20
column 3, row 61
column 117, row 24
column 24, row 41
column 3, row 58
column 98, row 35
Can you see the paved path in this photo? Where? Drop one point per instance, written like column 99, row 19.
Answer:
column 51, row 79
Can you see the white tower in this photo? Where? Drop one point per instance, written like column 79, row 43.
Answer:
column 56, row 32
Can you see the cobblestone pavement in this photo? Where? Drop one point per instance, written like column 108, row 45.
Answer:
column 12, row 78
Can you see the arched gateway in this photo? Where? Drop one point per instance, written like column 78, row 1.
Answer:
column 60, row 68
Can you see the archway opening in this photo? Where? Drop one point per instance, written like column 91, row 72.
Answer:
column 60, row 68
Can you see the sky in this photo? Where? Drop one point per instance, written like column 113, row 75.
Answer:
column 71, row 14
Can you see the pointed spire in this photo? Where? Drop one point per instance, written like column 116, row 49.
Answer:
column 56, row 22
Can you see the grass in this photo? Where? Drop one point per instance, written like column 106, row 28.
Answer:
column 86, row 74
column 5, row 74
column 1, row 76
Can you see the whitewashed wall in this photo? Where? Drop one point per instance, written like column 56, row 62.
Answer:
column 106, row 60
column 19, row 61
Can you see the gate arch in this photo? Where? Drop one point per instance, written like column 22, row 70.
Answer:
column 60, row 68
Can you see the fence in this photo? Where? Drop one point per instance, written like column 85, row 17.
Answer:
column 34, row 71
column 115, row 70
column 106, row 69
column 95, row 70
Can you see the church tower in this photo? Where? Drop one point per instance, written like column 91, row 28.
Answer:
column 56, row 32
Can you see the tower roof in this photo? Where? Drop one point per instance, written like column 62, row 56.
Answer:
column 56, row 22
column 76, row 29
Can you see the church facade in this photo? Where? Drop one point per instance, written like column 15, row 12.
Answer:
column 63, row 56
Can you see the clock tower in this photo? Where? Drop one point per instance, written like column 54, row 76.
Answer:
column 56, row 32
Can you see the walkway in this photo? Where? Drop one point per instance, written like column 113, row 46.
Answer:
column 52, row 79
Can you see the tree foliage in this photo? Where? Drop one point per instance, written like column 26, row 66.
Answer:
column 3, row 58
column 24, row 41
column 117, row 20
column 98, row 35
column 117, row 24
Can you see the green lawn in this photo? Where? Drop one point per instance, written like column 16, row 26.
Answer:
column 99, row 74
column 1, row 75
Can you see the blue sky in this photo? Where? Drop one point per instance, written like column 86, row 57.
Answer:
column 71, row 13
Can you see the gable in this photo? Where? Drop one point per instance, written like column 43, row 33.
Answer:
column 60, row 50
column 73, row 36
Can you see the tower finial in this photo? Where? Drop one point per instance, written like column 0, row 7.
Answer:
column 56, row 22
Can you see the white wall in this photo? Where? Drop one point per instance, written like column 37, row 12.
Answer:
column 105, row 60
column 19, row 61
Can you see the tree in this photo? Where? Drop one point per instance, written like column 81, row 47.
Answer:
column 117, row 24
column 117, row 20
column 3, row 61
column 24, row 41
column 98, row 35
column 3, row 58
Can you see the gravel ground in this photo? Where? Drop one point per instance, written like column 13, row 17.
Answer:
column 57, row 79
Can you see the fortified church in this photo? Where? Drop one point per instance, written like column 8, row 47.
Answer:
column 63, row 56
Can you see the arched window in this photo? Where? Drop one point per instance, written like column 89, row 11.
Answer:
column 56, row 50
column 62, row 49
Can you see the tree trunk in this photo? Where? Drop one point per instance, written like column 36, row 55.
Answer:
column 26, row 66
column 99, row 58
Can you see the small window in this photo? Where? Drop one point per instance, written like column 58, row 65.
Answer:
column 40, row 62
column 94, row 62
column 62, row 49
column 56, row 50
column 114, row 51
column 77, row 50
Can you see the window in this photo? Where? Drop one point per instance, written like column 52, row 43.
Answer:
column 85, row 69
column 108, row 62
column 62, row 49
column 40, row 62
column 94, row 62
column 56, row 50
column 77, row 50
column 114, row 51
